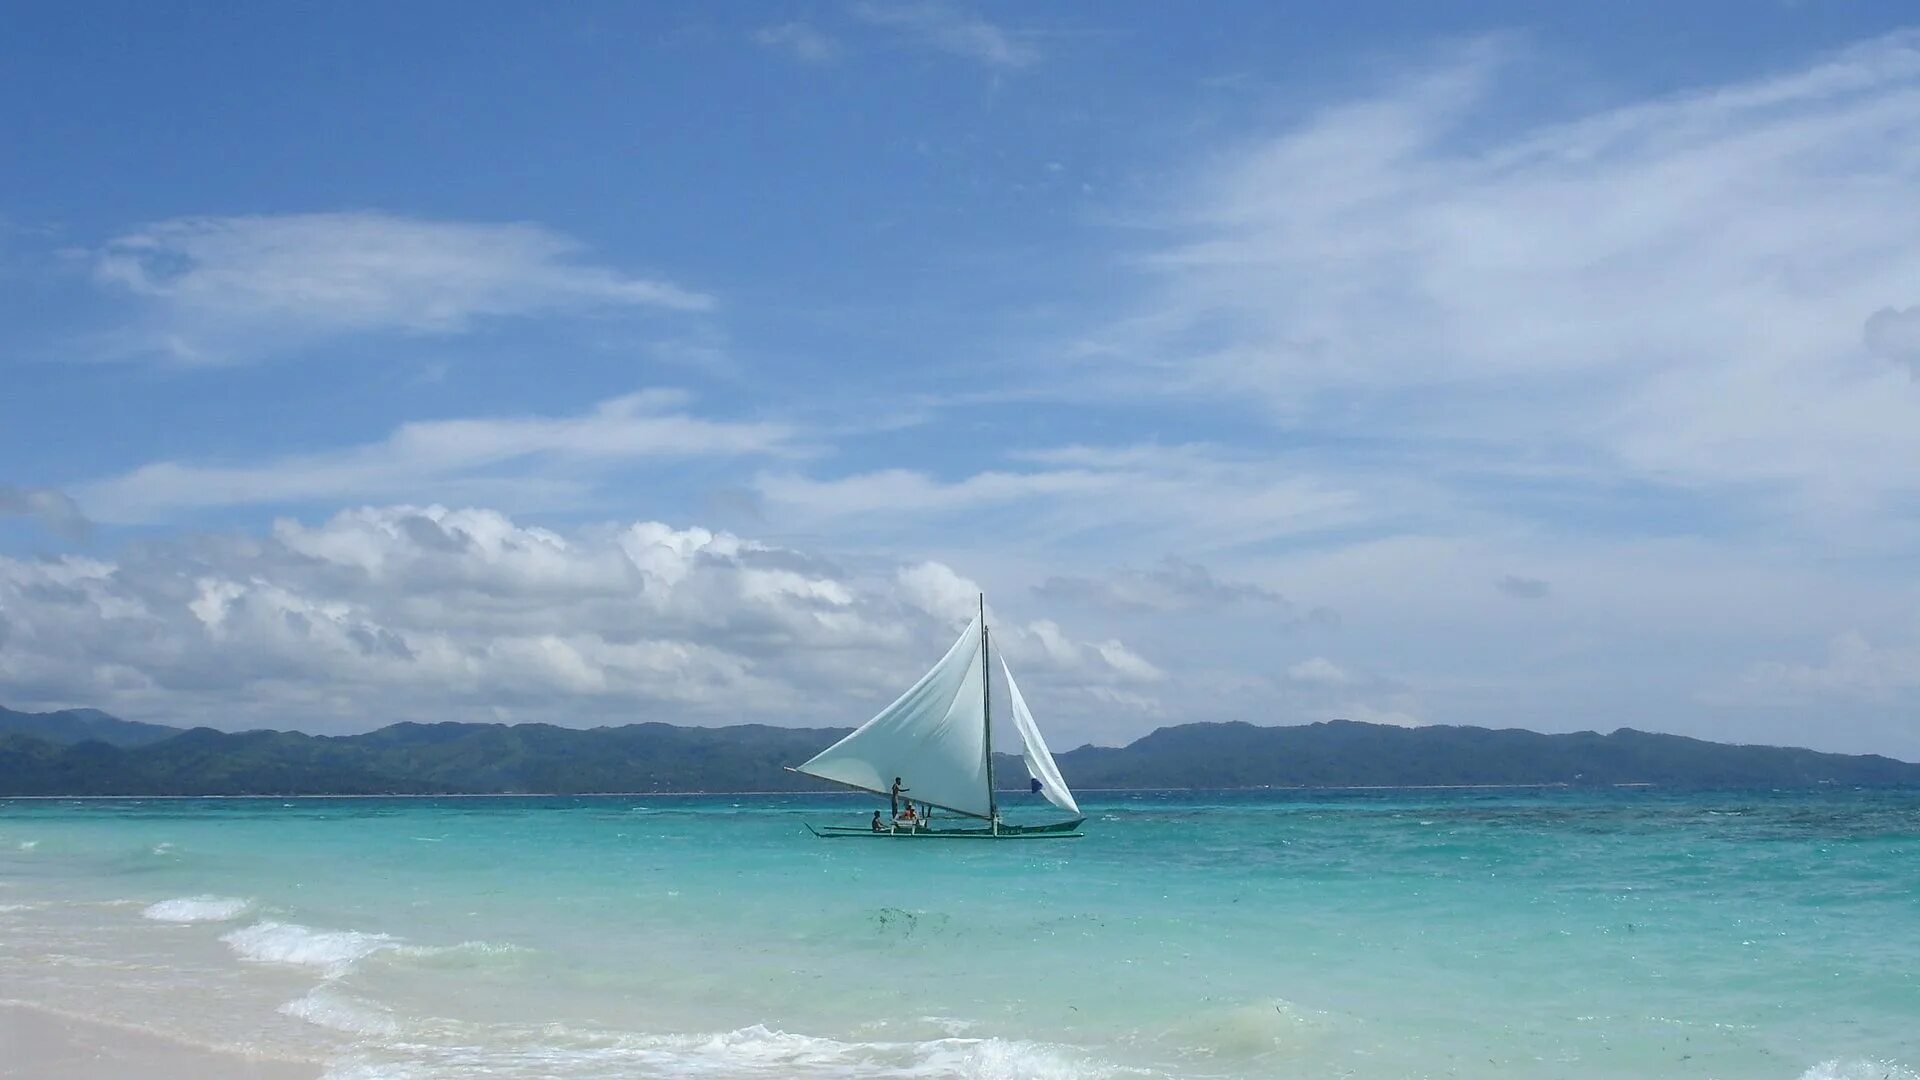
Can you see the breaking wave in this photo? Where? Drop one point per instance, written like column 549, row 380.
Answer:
column 561, row 1053
column 332, row 951
column 329, row 1008
column 194, row 909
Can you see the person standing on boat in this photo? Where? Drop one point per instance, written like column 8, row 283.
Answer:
column 894, row 798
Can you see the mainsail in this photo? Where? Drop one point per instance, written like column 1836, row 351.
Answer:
column 1040, row 764
column 933, row 737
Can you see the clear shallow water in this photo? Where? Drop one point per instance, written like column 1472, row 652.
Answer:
column 1496, row 934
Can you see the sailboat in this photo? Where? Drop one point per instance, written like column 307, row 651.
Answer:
column 938, row 739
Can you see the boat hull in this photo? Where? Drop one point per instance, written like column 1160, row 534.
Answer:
column 1063, row 830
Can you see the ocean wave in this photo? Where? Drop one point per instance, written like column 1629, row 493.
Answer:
column 556, row 1052
column 328, row 1008
column 1859, row 1070
column 465, row 954
column 193, row 909
column 332, row 951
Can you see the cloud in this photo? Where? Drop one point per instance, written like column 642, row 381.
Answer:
column 951, row 30
column 1523, row 588
column 216, row 290
column 938, row 590
column 1173, row 585
column 1854, row 668
column 1196, row 498
column 799, row 41
column 429, row 613
column 1894, row 334
column 1667, row 293
column 475, row 454
column 1373, row 714
column 1319, row 671
column 55, row 510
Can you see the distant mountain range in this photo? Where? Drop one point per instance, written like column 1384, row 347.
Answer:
column 80, row 725
column 86, row 752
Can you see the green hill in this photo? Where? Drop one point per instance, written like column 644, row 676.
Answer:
column 81, row 752
column 80, row 725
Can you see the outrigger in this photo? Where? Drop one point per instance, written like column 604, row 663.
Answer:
column 939, row 736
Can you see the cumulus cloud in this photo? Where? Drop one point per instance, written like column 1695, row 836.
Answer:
column 428, row 613
column 1854, row 667
column 55, row 510
column 800, row 41
column 940, row 591
column 483, row 455
column 951, row 30
column 229, row 289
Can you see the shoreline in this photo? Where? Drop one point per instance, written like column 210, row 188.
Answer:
column 48, row 1044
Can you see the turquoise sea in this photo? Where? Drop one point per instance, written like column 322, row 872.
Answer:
column 1368, row 934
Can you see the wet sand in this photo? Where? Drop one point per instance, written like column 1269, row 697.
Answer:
column 45, row 1045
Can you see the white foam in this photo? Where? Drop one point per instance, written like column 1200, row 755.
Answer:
column 557, row 1052
column 193, row 909
column 29, row 845
column 1859, row 1070
column 1005, row 1059
column 332, row 951
column 465, row 953
column 762, row 1051
column 329, row 1008
column 356, row 1069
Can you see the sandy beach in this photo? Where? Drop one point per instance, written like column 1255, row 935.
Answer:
column 43, row 1045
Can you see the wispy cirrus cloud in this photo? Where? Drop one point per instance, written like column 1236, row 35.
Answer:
column 214, row 290
column 1190, row 497
column 474, row 456
column 1706, row 292
column 799, row 40
column 1523, row 588
column 952, row 30
column 1175, row 584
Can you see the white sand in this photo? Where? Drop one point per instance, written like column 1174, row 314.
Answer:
column 44, row 1045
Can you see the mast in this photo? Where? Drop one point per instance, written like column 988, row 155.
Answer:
column 986, row 714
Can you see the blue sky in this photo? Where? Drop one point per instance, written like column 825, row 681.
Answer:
column 1416, row 363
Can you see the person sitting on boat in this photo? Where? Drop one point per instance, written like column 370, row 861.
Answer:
column 877, row 826
column 894, row 798
column 908, row 817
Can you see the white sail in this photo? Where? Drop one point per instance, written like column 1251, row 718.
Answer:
column 1040, row 764
column 933, row 738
